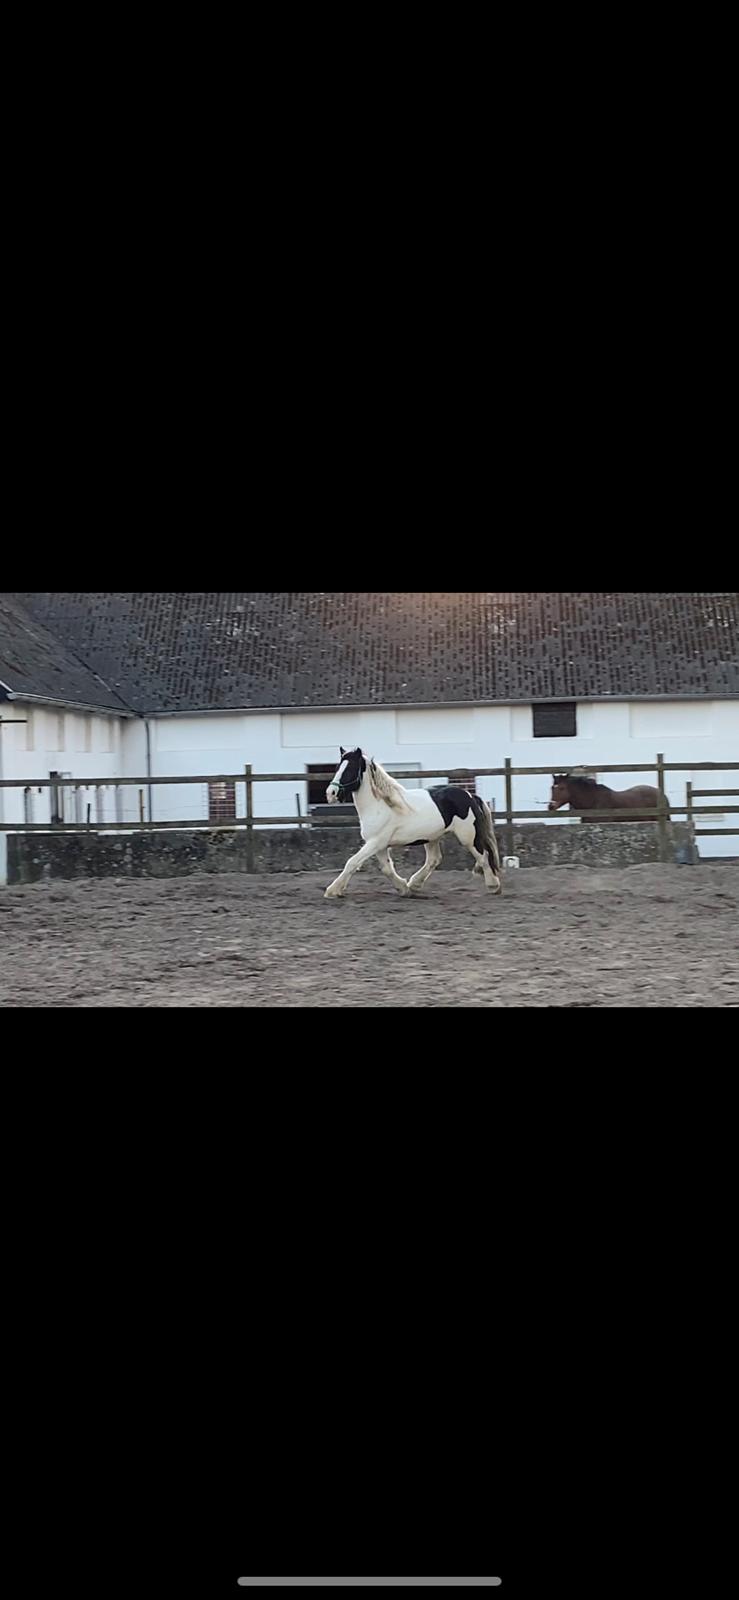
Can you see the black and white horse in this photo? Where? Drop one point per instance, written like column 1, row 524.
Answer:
column 391, row 815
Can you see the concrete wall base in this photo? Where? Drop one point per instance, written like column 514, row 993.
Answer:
column 172, row 854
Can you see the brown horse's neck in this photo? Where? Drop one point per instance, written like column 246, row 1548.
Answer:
column 583, row 795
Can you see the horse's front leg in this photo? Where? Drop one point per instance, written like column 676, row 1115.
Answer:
column 372, row 848
column 387, row 867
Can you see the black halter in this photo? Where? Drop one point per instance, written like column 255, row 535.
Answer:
column 351, row 788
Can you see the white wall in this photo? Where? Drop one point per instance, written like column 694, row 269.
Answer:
column 637, row 731
column 472, row 738
column 288, row 742
column 212, row 745
column 53, row 739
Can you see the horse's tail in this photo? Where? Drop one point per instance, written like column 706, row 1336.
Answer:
column 484, row 821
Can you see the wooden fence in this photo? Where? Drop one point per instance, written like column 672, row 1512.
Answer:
column 506, row 818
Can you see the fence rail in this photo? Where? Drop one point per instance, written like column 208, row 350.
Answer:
column 505, row 819
column 317, row 777
column 694, row 810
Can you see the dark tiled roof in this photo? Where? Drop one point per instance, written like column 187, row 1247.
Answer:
column 197, row 652
column 33, row 662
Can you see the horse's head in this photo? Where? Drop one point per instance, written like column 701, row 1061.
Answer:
column 560, row 795
column 348, row 775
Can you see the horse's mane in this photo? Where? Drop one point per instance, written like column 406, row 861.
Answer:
column 590, row 783
column 386, row 788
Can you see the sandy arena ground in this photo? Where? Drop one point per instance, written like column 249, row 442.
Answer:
column 564, row 936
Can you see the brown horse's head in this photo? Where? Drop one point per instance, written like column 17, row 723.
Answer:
column 560, row 795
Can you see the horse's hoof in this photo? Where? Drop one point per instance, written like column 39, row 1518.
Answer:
column 332, row 893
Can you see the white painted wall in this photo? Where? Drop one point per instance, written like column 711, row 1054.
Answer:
column 54, row 739
column 637, row 731
column 608, row 732
column 213, row 745
column 477, row 737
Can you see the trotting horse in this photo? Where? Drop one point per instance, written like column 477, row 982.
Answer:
column 392, row 815
column 584, row 794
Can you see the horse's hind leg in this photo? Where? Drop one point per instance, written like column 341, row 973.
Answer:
column 387, row 868
column 492, row 881
column 433, row 857
column 464, row 829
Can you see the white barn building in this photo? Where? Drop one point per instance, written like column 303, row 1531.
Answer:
column 145, row 685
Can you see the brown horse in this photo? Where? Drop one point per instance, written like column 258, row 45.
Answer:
column 584, row 794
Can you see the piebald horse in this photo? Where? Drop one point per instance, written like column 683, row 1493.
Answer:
column 391, row 815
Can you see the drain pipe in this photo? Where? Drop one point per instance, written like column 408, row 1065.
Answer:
column 148, row 763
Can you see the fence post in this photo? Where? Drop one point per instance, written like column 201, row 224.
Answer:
column 690, row 822
column 55, row 800
column 662, row 824
column 141, row 805
column 509, row 806
column 249, row 818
